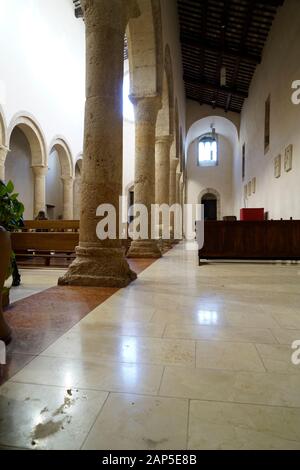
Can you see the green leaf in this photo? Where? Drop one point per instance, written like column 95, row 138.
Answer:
column 10, row 187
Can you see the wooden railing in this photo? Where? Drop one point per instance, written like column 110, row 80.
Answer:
column 265, row 240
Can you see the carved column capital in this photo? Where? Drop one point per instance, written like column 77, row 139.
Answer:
column 39, row 171
column 146, row 108
column 164, row 139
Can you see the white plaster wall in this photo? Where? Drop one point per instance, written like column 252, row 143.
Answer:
column 54, row 185
column 279, row 68
column 42, row 67
column 196, row 111
column 18, row 170
column 218, row 177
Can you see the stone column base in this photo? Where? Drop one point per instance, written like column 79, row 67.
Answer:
column 100, row 267
column 167, row 245
column 144, row 249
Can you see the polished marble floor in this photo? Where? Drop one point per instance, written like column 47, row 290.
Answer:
column 34, row 281
column 186, row 357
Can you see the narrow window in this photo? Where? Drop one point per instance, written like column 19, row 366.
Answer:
column 207, row 150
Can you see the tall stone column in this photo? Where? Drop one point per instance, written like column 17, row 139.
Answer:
column 178, row 175
column 162, row 177
column 39, row 202
column 68, row 198
column 102, row 262
column 3, row 153
column 172, row 199
column 162, row 168
column 146, row 109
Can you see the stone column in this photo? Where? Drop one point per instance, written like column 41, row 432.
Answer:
column 39, row 202
column 68, row 197
column 102, row 262
column 178, row 175
column 3, row 153
column 146, row 109
column 172, row 199
column 162, row 176
column 162, row 168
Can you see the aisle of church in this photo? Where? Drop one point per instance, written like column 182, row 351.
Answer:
column 185, row 357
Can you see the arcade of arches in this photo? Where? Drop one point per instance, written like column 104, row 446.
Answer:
column 156, row 351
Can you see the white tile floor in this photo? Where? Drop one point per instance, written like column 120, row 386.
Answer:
column 185, row 357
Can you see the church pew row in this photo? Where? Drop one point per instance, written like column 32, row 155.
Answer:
column 47, row 245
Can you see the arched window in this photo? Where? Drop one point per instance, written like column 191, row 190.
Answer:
column 208, row 150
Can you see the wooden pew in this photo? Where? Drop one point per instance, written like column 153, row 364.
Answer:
column 257, row 240
column 51, row 225
column 47, row 245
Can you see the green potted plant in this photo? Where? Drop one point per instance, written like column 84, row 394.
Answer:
column 11, row 218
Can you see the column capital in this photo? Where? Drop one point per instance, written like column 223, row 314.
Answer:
column 146, row 107
column 67, row 178
column 164, row 139
column 97, row 12
column 39, row 170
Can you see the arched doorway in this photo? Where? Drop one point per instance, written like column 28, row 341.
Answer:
column 210, row 198
column 77, row 189
column 209, row 202
column 18, row 170
column 25, row 160
column 59, row 181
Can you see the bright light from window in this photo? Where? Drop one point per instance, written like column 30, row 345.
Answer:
column 128, row 111
column 207, row 151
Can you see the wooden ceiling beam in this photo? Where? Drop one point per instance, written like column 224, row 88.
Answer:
column 214, row 87
column 202, row 43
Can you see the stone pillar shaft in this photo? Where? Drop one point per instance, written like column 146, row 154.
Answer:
column 162, row 181
column 146, row 109
column 162, row 169
column 102, row 262
column 68, row 198
column 178, row 188
column 172, row 197
column 39, row 202
column 173, row 168
column 3, row 154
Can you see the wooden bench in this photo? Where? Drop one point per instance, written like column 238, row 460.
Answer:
column 51, row 225
column 45, row 245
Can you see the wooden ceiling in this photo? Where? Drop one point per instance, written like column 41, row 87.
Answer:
column 223, row 34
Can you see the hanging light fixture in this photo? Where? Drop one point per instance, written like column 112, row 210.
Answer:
column 213, row 131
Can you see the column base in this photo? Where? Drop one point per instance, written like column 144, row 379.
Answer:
column 144, row 249
column 98, row 267
column 167, row 245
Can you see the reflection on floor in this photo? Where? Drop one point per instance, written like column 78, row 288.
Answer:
column 185, row 357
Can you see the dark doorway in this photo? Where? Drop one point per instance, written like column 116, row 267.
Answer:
column 210, row 206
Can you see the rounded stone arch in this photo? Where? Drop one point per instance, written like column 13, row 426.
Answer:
column 145, row 55
column 3, row 130
column 64, row 155
column 77, row 186
column 78, row 165
column 217, row 196
column 34, row 134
